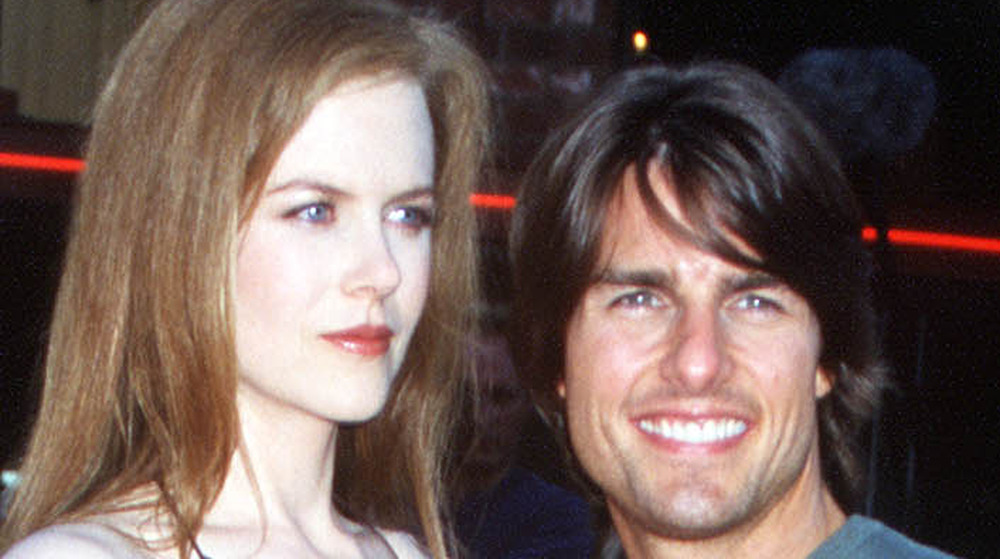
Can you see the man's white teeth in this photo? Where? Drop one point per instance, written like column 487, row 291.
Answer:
column 694, row 432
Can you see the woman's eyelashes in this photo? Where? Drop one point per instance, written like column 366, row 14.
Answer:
column 313, row 213
column 408, row 217
column 412, row 217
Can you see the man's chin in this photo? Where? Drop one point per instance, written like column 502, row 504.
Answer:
column 686, row 518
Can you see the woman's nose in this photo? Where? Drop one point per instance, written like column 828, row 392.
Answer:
column 373, row 271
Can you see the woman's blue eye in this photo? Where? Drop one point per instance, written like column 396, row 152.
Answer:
column 412, row 217
column 313, row 213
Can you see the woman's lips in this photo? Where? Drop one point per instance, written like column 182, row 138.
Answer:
column 366, row 340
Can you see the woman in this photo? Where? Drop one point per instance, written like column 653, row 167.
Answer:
column 275, row 208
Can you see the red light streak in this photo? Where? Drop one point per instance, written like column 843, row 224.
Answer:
column 897, row 237
column 944, row 241
column 492, row 201
column 41, row 162
column 932, row 240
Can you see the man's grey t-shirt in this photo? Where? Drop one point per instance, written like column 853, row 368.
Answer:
column 862, row 538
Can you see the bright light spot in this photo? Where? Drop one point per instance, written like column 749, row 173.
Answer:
column 640, row 41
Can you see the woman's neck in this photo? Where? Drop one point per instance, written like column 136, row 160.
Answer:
column 280, row 483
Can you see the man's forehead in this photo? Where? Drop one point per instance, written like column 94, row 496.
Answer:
column 661, row 215
column 628, row 199
column 634, row 232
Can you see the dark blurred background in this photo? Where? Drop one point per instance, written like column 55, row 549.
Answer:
column 927, row 68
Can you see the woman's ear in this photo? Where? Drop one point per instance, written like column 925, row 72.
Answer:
column 824, row 382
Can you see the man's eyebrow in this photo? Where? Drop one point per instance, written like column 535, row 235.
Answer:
column 647, row 278
column 751, row 280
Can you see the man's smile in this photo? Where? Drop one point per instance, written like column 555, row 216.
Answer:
column 701, row 431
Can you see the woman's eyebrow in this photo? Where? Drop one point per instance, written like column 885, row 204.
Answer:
column 307, row 185
column 335, row 191
column 414, row 194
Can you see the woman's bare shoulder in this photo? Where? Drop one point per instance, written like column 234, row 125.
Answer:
column 404, row 545
column 83, row 540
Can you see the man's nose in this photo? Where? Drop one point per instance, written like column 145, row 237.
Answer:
column 696, row 359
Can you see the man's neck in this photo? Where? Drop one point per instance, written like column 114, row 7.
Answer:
column 792, row 529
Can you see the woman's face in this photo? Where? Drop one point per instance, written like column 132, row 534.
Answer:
column 333, row 266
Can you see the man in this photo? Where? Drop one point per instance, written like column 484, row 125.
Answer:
column 692, row 306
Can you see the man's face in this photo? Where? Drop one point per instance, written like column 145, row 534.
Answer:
column 691, row 383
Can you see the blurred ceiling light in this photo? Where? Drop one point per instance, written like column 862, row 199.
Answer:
column 640, row 41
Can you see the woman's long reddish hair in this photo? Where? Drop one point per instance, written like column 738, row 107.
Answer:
column 140, row 376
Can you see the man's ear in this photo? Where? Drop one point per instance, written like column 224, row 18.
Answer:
column 824, row 382
column 561, row 388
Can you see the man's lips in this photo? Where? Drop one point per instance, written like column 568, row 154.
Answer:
column 366, row 340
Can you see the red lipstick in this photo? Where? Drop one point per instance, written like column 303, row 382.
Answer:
column 366, row 340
